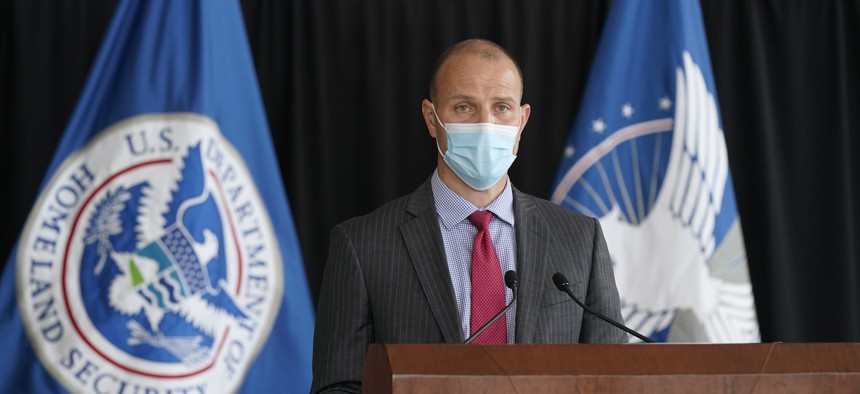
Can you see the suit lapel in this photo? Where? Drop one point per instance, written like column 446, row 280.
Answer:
column 424, row 243
column 532, row 244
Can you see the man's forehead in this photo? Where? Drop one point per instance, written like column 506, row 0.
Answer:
column 464, row 71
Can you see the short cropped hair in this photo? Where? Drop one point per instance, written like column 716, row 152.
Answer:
column 474, row 46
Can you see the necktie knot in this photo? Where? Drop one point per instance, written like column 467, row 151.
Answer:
column 481, row 219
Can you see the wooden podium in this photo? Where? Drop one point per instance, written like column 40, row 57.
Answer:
column 640, row 368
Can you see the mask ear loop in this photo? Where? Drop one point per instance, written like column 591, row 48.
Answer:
column 438, row 123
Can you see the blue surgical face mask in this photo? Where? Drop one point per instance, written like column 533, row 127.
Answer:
column 479, row 153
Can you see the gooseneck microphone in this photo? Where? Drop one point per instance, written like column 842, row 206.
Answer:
column 513, row 282
column 564, row 285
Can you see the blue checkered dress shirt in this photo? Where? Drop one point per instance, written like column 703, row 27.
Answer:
column 458, row 235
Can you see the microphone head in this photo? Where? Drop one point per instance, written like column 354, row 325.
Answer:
column 560, row 281
column 512, row 280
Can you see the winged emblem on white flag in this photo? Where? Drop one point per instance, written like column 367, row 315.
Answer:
column 672, row 244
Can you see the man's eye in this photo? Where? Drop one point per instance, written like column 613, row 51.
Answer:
column 503, row 108
column 462, row 108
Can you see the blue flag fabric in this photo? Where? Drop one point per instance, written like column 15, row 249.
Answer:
column 647, row 156
column 161, row 254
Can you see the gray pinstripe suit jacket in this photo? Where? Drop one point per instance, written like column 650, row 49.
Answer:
column 387, row 281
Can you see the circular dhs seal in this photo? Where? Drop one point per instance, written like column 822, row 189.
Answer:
column 149, row 264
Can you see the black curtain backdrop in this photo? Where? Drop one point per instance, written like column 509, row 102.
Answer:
column 342, row 82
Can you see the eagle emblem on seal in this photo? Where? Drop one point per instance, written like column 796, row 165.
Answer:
column 160, row 268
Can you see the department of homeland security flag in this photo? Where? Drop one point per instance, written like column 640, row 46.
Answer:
column 646, row 155
column 161, row 256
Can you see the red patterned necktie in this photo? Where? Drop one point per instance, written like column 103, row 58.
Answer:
column 488, row 291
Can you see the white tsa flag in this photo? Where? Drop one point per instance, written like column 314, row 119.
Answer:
column 646, row 155
column 160, row 256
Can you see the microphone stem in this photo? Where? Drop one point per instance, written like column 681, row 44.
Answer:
column 496, row 317
column 605, row 318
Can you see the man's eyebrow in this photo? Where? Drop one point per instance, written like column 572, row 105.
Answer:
column 507, row 99
column 461, row 97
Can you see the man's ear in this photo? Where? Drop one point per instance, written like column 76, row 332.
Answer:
column 429, row 117
column 527, row 111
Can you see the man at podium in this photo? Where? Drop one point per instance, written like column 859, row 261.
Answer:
column 430, row 267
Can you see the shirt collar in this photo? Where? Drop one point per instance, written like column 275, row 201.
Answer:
column 453, row 209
